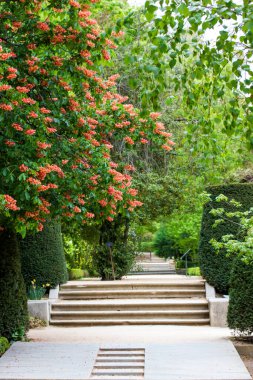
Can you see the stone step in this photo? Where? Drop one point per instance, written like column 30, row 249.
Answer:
column 131, row 305
column 105, row 377
column 133, row 284
column 115, row 322
column 150, row 293
column 103, row 315
column 151, row 272
column 118, row 371
column 117, row 356
column 119, row 377
column 154, row 265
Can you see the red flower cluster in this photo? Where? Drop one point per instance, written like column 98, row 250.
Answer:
column 11, row 203
column 72, row 116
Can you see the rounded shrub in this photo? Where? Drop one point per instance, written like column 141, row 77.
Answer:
column 164, row 245
column 13, row 301
column 240, row 310
column 216, row 267
column 42, row 256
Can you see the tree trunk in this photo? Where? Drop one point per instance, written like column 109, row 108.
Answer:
column 13, row 300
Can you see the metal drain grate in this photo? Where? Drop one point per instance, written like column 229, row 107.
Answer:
column 119, row 364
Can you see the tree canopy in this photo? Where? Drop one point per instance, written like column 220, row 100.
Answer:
column 61, row 118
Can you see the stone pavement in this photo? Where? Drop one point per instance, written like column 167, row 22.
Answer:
column 171, row 353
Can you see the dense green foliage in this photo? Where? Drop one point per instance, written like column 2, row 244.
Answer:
column 163, row 244
column 205, row 49
column 178, row 235
column 4, row 345
column 42, row 257
column 114, row 262
column 13, row 301
column 216, row 267
column 240, row 311
column 240, row 314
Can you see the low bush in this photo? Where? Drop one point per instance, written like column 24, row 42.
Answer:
column 180, row 264
column 19, row 334
column 194, row 271
column 240, row 310
column 4, row 345
column 77, row 274
column 35, row 323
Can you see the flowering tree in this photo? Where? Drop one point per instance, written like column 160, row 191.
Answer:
column 60, row 118
column 61, row 122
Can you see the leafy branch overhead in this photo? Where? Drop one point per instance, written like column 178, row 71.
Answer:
column 205, row 49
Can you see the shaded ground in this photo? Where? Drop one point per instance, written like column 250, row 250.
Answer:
column 129, row 334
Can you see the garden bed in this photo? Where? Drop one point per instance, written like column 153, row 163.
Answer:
column 245, row 350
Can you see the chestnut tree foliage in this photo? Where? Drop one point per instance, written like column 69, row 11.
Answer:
column 60, row 118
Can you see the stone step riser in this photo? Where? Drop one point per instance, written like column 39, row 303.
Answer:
column 188, row 322
column 149, row 272
column 127, row 307
column 129, row 316
column 141, row 286
column 133, row 295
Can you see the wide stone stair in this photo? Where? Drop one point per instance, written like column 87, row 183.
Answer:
column 172, row 302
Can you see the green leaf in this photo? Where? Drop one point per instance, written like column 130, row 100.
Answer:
column 183, row 10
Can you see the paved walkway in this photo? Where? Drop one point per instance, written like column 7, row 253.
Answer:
column 125, row 352
column 186, row 361
column 171, row 353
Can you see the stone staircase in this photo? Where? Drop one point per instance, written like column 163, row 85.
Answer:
column 180, row 301
column 148, row 263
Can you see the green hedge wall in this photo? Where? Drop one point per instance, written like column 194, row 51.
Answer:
column 42, row 256
column 240, row 310
column 215, row 267
column 13, row 301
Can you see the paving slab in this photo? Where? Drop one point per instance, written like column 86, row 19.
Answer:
column 178, row 361
column 198, row 361
column 48, row 361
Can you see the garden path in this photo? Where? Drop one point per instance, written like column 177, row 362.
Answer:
column 169, row 352
column 145, row 352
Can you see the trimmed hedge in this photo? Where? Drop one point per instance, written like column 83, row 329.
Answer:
column 240, row 310
column 42, row 257
column 13, row 301
column 216, row 268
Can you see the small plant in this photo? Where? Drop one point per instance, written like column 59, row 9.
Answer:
column 4, row 345
column 35, row 322
column 19, row 334
column 36, row 292
column 195, row 271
